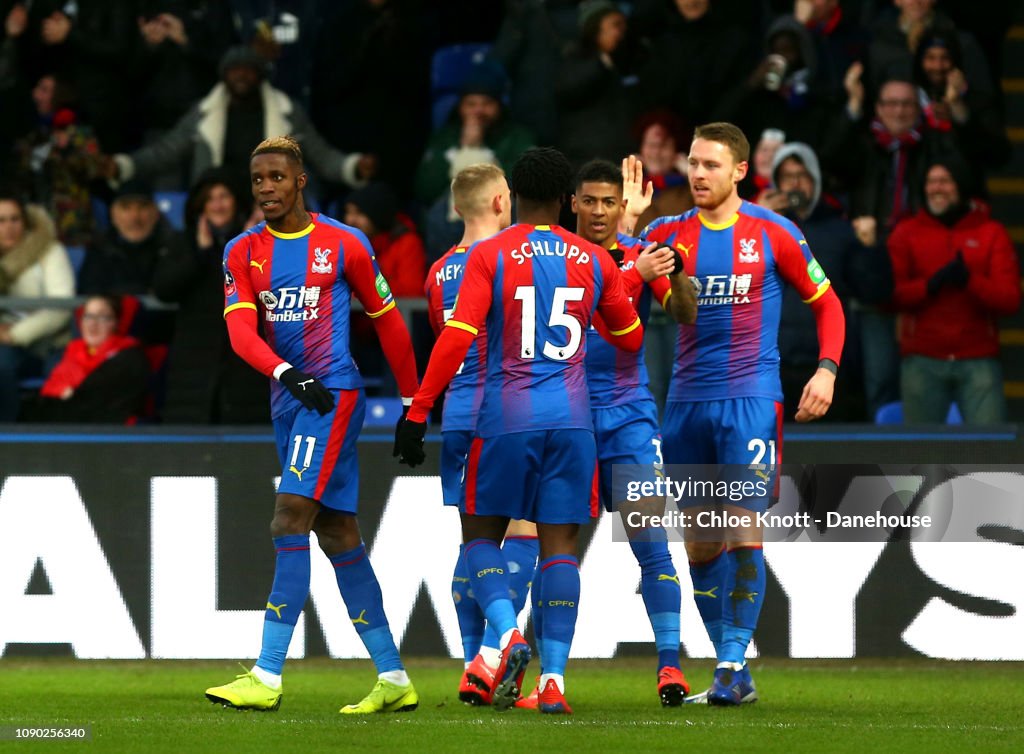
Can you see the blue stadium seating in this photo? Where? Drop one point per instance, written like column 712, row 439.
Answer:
column 76, row 254
column 172, row 205
column 100, row 213
column 892, row 413
column 447, row 70
column 382, row 412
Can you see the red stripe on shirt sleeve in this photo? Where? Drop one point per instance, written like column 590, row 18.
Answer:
column 623, row 326
column 449, row 352
column 828, row 315
column 247, row 343
column 397, row 346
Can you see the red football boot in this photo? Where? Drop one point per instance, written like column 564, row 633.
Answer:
column 551, row 700
column 508, row 677
column 476, row 684
column 672, row 686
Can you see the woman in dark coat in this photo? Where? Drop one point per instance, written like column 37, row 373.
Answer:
column 206, row 382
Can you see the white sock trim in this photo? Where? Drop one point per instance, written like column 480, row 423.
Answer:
column 733, row 666
column 397, row 677
column 558, row 679
column 506, row 638
column 491, row 656
column 271, row 680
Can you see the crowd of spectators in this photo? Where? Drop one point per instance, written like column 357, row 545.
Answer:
column 858, row 110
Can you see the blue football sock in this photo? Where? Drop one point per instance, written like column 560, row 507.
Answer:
column 659, row 586
column 287, row 598
column 521, row 556
column 560, row 593
column 536, row 611
column 488, row 576
column 361, row 592
column 746, row 585
column 708, row 579
column 471, row 617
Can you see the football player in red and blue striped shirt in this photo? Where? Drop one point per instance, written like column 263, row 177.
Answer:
column 725, row 399
column 536, row 286
column 625, row 415
column 296, row 274
column 481, row 197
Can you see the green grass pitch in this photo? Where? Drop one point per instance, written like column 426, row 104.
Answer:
column 856, row 706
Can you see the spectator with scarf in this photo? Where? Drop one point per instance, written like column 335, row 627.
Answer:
column 956, row 107
column 881, row 163
column 103, row 374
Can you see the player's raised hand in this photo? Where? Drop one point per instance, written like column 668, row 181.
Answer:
column 308, row 390
column 409, row 442
column 636, row 196
column 817, row 396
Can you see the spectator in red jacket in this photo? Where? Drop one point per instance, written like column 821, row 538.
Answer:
column 955, row 271
column 402, row 259
column 396, row 244
column 102, row 377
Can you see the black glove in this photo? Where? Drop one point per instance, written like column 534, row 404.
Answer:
column 955, row 273
column 677, row 258
column 409, row 442
column 677, row 261
column 308, row 390
column 959, row 273
column 395, row 452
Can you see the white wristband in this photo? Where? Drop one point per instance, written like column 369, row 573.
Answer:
column 406, row 401
column 280, row 369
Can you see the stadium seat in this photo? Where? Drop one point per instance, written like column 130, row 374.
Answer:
column 100, row 213
column 76, row 255
column 447, row 70
column 382, row 412
column 172, row 205
column 892, row 413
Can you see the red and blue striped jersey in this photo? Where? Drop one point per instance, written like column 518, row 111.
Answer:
column 536, row 289
column 738, row 269
column 466, row 390
column 616, row 377
column 301, row 286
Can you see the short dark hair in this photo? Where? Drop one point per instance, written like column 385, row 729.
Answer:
column 727, row 134
column 599, row 171
column 113, row 300
column 13, row 195
column 285, row 145
column 541, row 175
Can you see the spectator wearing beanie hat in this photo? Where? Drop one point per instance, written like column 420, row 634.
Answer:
column 954, row 106
column 239, row 112
column 955, row 272
column 477, row 131
column 64, row 173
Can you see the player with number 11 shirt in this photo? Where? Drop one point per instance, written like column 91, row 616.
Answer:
column 296, row 274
